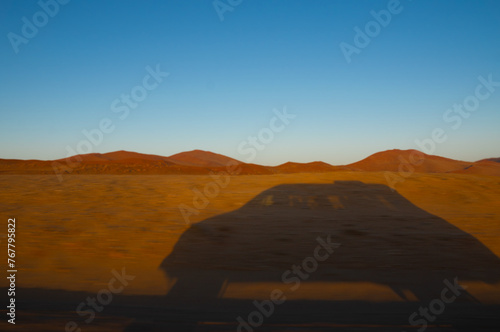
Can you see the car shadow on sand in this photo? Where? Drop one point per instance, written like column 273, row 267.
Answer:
column 345, row 232
column 307, row 244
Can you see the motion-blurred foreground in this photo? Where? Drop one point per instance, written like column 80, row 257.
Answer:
column 302, row 252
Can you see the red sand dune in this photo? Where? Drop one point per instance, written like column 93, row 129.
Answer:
column 116, row 157
column 202, row 158
column 497, row 160
column 204, row 162
column 482, row 168
column 391, row 160
column 316, row 166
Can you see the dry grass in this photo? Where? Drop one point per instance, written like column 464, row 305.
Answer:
column 70, row 235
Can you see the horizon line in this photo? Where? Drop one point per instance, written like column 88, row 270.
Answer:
column 207, row 151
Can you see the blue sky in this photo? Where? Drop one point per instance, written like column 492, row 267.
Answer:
column 225, row 77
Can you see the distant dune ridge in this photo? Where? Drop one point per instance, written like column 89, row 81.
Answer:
column 205, row 162
column 496, row 160
column 392, row 159
column 202, row 158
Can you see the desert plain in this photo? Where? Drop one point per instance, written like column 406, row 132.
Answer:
column 393, row 251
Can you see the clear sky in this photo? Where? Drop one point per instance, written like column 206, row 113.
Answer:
column 69, row 68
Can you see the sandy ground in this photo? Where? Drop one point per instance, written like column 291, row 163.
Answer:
column 395, row 250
